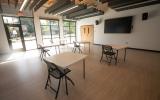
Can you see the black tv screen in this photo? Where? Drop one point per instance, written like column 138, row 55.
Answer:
column 118, row 25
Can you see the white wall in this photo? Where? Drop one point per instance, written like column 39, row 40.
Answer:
column 40, row 13
column 144, row 35
column 4, row 47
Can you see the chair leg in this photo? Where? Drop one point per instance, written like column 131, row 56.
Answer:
column 101, row 57
column 74, row 50
column 48, row 53
column 41, row 55
column 47, row 82
column 70, row 80
column 80, row 51
column 115, row 59
column 58, row 88
column 66, row 85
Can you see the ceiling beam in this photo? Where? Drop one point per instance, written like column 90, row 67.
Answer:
column 67, row 6
column 80, row 7
column 1, row 10
column 27, row 4
column 33, row 4
column 40, row 3
column 16, row 3
column 81, row 12
column 137, row 5
column 120, row 3
column 89, row 15
column 8, row 2
column 57, row 5
column 104, row 1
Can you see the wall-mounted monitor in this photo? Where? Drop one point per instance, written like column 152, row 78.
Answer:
column 118, row 25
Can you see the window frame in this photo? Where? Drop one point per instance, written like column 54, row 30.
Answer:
column 69, row 27
column 50, row 28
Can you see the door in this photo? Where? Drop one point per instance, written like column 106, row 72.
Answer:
column 87, row 33
column 14, row 35
column 29, row 34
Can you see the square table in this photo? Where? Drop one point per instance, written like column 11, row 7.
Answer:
column 119, row 47
column 84, row 42
column 66, row 59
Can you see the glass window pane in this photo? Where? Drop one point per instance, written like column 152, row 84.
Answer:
column 73, row 39
column 66, row 30
column 54, row 22
column 45, row 30
column 50, row 30
column 44, row 22
column 28, row 33
column 72, row 23
column 65, row 23
column 72, row 30
column 46, row 42
column 11, row 20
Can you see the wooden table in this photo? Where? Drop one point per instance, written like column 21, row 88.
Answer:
column 84, row 42
column 117, row 48
column 66, row 59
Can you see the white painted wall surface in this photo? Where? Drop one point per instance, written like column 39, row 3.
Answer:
column 4, row 47
column 144, row 35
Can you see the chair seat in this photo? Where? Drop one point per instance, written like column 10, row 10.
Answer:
column 109, row 53
column 56, row 73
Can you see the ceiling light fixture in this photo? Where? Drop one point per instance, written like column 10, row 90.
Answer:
column 23, row 5
column 50, row 2
column 75, row 6
column 20, row 13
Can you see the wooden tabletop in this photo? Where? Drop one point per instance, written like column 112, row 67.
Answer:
column 66, row 59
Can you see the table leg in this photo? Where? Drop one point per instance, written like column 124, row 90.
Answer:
column 55, row 49
column 89, row 47
column 84, row 68
column 59, row 48
column 125, row 54
column 117, row 57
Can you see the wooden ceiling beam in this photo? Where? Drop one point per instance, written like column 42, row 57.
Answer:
column 28, row 3
column 40, row 4
column 120, row 3
column 33, row 4
column 67, row 6
column 136, row 6
column 1, row 10
column 89, row 15
column 81, row 12
column 16, row 3
column 80, row 7
column 57, row 5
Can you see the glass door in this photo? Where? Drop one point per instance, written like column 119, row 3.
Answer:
column 28, row 31
column 15, row 37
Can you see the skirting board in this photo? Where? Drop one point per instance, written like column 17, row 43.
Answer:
column 135, row 48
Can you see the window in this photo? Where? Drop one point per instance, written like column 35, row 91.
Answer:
column 11, row 20
column 50, row 31
column 69, row 31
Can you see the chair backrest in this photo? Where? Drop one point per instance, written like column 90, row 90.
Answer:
column 106, row 48
column 51, row 67
column 75, row 44
column 40, row 46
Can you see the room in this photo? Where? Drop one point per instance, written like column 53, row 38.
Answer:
column 72, row 36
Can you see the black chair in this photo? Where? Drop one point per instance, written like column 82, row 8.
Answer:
column 76, row 46
column 43, row 51
column 108, row 52
column 58, row 73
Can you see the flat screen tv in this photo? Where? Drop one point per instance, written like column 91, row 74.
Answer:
column 118, row 25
